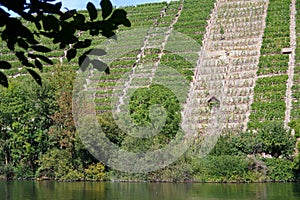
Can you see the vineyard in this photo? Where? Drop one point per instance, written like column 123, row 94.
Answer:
column 269, row 92
column 238, row 57
column 215, row 66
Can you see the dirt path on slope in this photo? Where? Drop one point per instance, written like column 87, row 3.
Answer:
column 288, row 96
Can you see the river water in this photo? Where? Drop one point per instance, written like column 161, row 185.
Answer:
column 51, row 190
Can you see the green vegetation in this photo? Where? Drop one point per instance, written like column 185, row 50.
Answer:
column 38, row 138
column 269, row 92
column 295, row 113
column 247, row 157
column 43, row 27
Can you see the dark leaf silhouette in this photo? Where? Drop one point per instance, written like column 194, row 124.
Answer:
column 71, row 53
column 97, row 52
column 22, row 43
column 28, row 64
column 99, row 65
column 83, row 62
column 5, row 65
column 44, row 18
column 3, row 80
column 32, row 41
column 106, row 7
column 21, row 57
column 38, row 64
column 50, row 23
column 35, row 75
column 38, row 25
column 107, row 70
column 83, row 44
column 92, row 11
column 119, row 17
column 41, row 57
column 67, row 15
column 79, row 20
column 40, row 48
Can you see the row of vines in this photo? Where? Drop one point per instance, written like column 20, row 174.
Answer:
column 229, row 59
column 269, row 93
column 162, row 50
column 295, row 113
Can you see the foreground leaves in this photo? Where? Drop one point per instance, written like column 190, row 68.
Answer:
column 61, row 27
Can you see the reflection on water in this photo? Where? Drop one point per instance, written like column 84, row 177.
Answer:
column 48, row 190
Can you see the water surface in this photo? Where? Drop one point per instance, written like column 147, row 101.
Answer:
column 50, row 190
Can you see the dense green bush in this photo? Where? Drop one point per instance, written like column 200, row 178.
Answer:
column 25, row 116
column 111, row 129
column 95, row 172
column 7, row 171
column 296, row 163
column 273, row 139
column 279, row 169
column 295, row 124
column 73, row 175
column 140, row 106
column 55, row 164
column 277, row 141
column 224, row 168
column 238, row 144
column 181, row 170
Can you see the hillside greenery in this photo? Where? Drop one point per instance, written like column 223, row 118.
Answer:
column 38, row 138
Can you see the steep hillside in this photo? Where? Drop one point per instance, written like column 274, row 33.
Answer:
column 223, row 66
column 240, row 60
column 269, row 94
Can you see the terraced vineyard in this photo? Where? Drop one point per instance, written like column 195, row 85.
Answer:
column 270, row 90
column 296, row 87
column 227, row 66
column 235, row 56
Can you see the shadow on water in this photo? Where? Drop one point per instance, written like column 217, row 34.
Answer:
column 46, row 190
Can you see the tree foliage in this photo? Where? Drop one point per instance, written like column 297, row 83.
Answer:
column 51, row 22
column 273, row 139
column 26, row 111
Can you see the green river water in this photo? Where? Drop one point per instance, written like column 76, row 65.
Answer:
column 51, row 190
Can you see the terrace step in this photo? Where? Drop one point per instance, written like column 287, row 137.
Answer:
column 156, row 38
column 227, row 71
